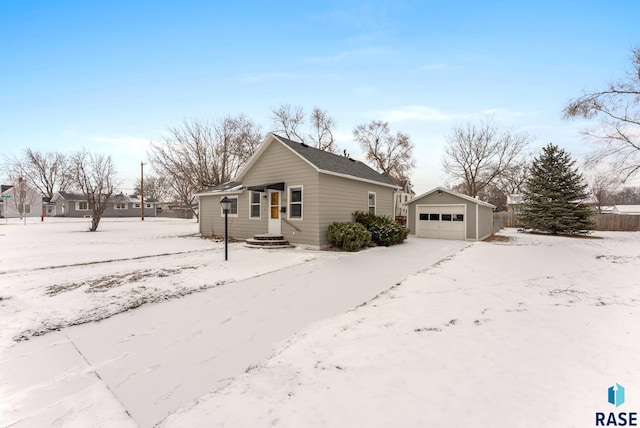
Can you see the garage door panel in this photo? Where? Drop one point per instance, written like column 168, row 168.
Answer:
column 441, row 221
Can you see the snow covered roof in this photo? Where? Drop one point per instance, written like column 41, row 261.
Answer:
column 627, row 209
column 514, row 199
column 230, row 187
column 460, row 195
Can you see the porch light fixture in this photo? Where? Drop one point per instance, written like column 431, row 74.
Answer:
column 225, row 203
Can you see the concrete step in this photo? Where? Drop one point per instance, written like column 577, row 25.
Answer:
column 267, row 241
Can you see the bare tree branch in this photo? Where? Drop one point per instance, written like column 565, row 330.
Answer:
column 478, row 155
column 391, row 155
column 47, row 172
column 200, row 154
column 95, row 176
column 618, row 130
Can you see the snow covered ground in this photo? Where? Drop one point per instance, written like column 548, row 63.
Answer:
column 55, row 274
column 527, row 330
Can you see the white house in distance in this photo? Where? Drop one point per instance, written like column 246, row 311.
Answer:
column 20, row 201
column 444, row 214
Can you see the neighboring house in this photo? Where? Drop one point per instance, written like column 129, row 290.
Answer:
column 121, row 205
column 443, row 214
column 514, row 203
column 625, row 209
column 401, row 197
column 20, row 201
column 290, row 189
column 48, row 208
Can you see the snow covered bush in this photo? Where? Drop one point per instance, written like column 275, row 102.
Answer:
column 349, row 236
column 384, row 231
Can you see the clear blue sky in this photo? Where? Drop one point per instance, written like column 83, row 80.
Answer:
column 111, row 76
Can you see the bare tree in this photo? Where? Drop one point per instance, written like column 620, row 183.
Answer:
column 391, row 155
column 477, row 155
column 604, row 186
column 94, row 175
column 290, row 121
column 322, row 134
column 627, row 196
column 47, row 172
column 200, row 154
column 618, row 110
column 155, row 187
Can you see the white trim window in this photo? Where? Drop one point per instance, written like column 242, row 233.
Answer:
column 372, row 203
column 82, row 206
column 233, row 211
column 295, row 210
column 136, row 205
column 120, row 206
column 255, row 205
column 24, row 208
column 149, row 206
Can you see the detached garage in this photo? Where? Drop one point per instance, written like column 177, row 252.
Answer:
column 443, row 214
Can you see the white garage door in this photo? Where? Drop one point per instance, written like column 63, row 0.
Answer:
column 441, row 221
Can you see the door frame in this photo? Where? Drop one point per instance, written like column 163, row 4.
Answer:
column 274, row 224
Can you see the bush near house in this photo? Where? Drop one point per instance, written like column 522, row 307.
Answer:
column 384, row 231
column 348, row 236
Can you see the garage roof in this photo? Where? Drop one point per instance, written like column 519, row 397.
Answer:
column 460, row 195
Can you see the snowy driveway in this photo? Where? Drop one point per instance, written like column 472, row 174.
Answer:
column 161, row 357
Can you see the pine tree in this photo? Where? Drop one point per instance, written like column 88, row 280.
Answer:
column 553, row 193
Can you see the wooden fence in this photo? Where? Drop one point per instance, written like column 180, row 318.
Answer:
column 610, row 222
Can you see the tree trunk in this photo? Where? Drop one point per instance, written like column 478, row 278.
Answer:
column 95, row 220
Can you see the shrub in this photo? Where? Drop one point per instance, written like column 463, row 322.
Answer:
column 349, row 236
column 384, row 231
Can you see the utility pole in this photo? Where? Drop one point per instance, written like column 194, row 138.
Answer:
column 142, row 189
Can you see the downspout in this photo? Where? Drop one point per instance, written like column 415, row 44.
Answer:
column 477, row 220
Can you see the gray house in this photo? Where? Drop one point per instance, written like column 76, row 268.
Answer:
column 443, row 214
column 121, row 205
column 292, row 190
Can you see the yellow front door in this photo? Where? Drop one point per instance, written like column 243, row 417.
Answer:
column 274, row 213
column 275, row 205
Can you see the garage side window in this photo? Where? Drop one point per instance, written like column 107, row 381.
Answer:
column 434, row 217
column 424, row 216
column 458, row 217
column 233, row 211
column 446, row 217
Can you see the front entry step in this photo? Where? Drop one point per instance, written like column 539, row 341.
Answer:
column 267, row 241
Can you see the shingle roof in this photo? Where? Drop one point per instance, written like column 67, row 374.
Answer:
column 229, row 185
column 330, row 162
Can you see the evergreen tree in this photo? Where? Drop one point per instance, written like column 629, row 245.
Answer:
column 553, row 193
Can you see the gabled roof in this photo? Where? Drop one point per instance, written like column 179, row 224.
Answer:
column 120, row 197
column 323, row 162
column 459, row 195
column 228, row 187
column 626, row 209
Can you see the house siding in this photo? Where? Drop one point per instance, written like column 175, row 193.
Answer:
column 485, row 225
column 276, row 164
column 340, row 197
column 68, row 208
column 32, row 197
